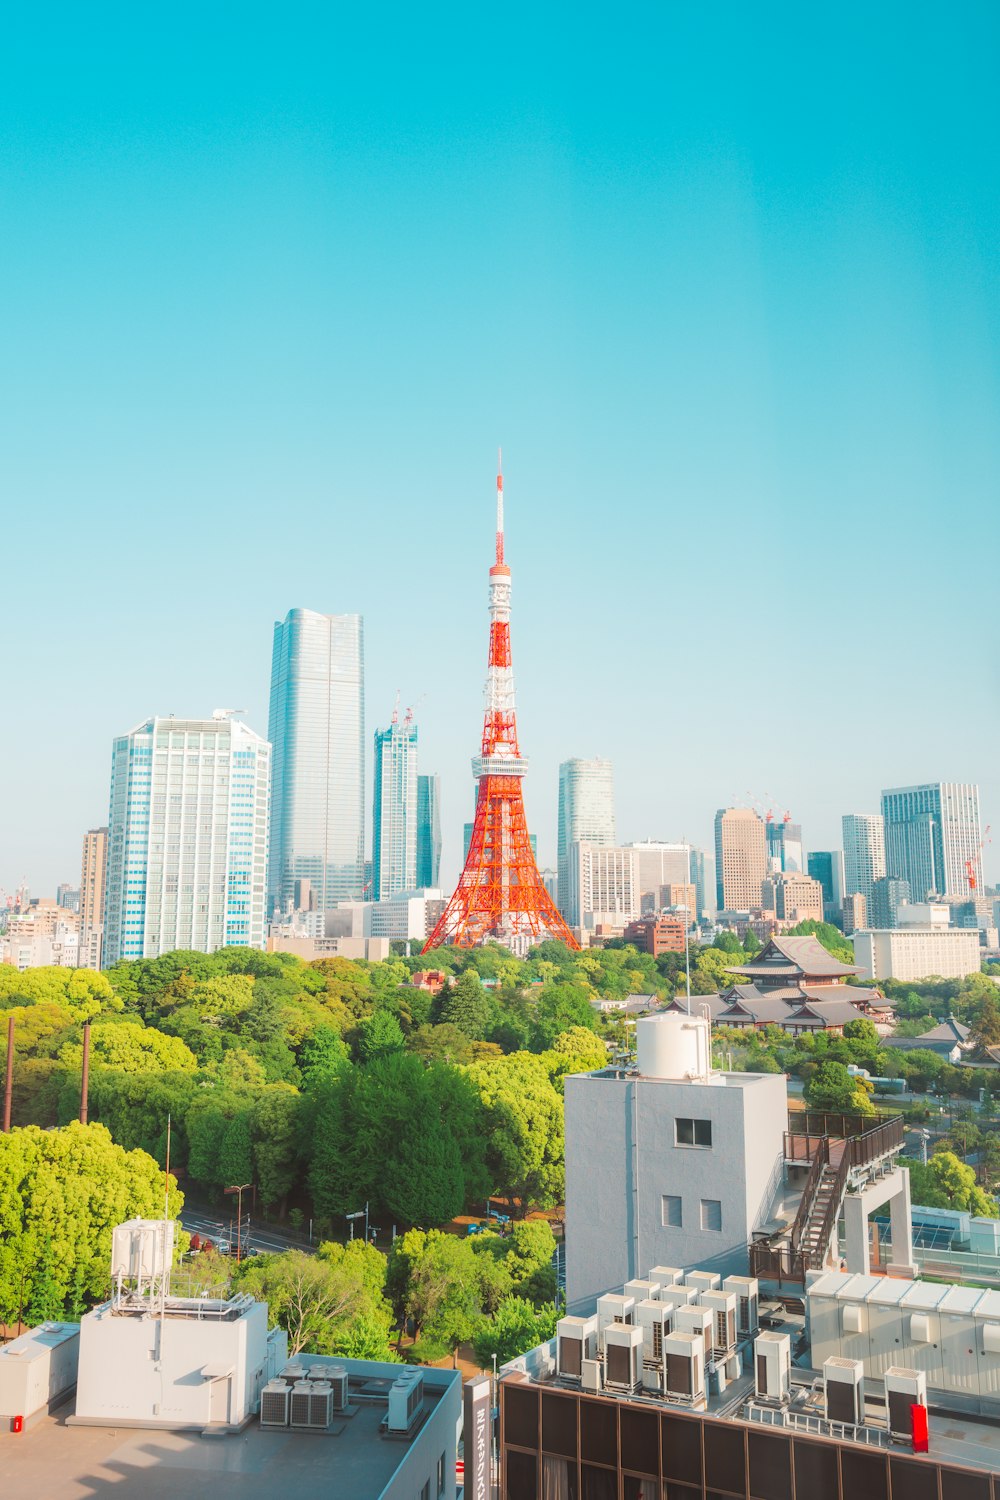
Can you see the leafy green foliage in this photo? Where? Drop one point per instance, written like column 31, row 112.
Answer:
column 515, row 1327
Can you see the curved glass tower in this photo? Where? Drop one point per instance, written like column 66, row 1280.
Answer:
column 317, row 730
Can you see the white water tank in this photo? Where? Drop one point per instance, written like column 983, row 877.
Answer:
column 673, row 1046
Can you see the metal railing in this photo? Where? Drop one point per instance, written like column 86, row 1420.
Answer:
column 862, row 1146
column 816, row 1426
column 833, row 1122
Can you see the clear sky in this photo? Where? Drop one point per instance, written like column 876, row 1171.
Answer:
column 723, row 280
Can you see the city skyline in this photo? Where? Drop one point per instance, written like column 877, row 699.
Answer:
column 269, row 309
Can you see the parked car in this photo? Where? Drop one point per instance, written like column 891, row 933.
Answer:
column 224, row 1247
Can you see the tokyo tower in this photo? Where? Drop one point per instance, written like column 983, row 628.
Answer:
column 500, row 895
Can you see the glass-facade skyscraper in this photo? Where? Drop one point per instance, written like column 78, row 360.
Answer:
column 394, row 817
column 933, row 839
column 586, row 815
column 187, row 838
column 428, row 832
column 317, row 731
column 864, row 855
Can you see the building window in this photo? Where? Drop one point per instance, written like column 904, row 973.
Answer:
column 425, row 1493
column 440, row 1476
column 711, row 1213
column 670, row 1211
column 693, row 1132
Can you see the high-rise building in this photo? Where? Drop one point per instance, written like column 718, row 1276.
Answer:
column 586, row 815
column 740, row 858
column 187, row 838
column 888, row 894
column 855, row 912
column 784, row 846
column 792, row 897
column 701, row 876
column 656, row 865
column 92, row 875
column 317, row 730
column 827, row 866
column 864, row 855
column 603, row 885
column 394, row 821
column 428, row 831
column 933, row 839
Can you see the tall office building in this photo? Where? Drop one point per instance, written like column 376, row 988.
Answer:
column 889, row 894
column 701, row 878
column 933, row 839
column 586, row 815
column 827, row 866
column 740, row 858
column 659, row 864
column 784, row 847
column 428, row 832
column 394, row 818
column 864, row 855
column 187, row 838
column 93, row 868
column 317, row 730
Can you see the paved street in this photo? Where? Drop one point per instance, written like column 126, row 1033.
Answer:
column 215, row 1227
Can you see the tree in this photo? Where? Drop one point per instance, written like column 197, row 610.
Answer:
column 47, row 1296
column 466, row 1006
column 128, row 1047
column 61, row 1193
column 275, row 1121
column 514, row 1328
column 312, row 1300
column 947, row 1182
column 378, row 1036
column 236, row 1154
column 577, row 1050
column 322, row 1055
column 831, row 1087
column 985, row 1030
column 441, row 1295
column 560, row 1007
column 524, row 1127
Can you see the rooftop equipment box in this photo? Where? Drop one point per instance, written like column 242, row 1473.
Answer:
column 576, row 1340
column 643, row 1291
column 747, row 1290
column 622, row 1357
column 613, row 1308
column 722, row 1306
column 697, row 1320
column 772, row 1366
column 703, row 1281
column 903, row 1389
column 843, row 1385
column 685, row 1372
column 666, row 1275
column 38, row 1368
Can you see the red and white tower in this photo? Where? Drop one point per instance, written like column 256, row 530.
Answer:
column 500, row 895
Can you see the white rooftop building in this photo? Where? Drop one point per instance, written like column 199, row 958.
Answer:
column 912, row 952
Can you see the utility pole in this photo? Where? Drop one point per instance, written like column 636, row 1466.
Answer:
column 85, row 1077
column 239, row 1191
column 8, row 1087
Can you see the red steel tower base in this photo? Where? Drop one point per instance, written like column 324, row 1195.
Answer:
column 500, row 896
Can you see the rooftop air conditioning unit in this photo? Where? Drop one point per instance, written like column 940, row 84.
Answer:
column 338, row 1387
column 293, row 1371
column 622, row 1357
column 697, row 1320
column 678, row 1295
column 666, row 1275
column 613, row 1308
column 274, row 1404
column 656, row 1321
column 406, row 1397
column 320, row 1403
column 576, row 1340
column 747, row 1292
column 844, row 1387
column 592, row 1378
column 703, row 1281
column 903, row 1389
column 772, row 1367
column 643, row 1291
column 301, row 1394
column 722, row 1306
column 685, row 1367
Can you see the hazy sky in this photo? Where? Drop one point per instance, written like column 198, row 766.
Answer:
column 722, row 279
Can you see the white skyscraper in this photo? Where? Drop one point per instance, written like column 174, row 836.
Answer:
column 317, row 729
column 187, row 838
column 394, row 824
column 864, row 855
column 586, row 815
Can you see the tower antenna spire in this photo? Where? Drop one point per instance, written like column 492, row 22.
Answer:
column 500, row 896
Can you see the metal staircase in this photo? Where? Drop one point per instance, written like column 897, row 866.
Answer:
column 839, row 1149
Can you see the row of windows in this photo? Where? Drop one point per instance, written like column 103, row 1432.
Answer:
column 672, row 1213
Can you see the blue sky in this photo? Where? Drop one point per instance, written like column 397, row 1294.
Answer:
column 722, row 280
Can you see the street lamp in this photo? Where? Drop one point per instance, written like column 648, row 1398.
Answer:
column 239, row 1191
column 362, row 1213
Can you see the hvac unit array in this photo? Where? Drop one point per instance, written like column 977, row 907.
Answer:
column 406, row 1396
column 622, row 1357
column 613, row 1308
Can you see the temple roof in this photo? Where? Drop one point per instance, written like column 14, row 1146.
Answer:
column 794, row 956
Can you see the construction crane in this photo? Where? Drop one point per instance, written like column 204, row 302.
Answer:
column 970, row 864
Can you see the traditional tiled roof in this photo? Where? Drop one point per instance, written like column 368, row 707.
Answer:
column 715, row 1003
column 782, row 955
column 949, row 1030
column 824, row 1014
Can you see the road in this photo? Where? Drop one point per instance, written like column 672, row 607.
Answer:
column 215, row 1227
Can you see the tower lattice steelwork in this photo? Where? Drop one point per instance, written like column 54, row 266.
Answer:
column 500, row 894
